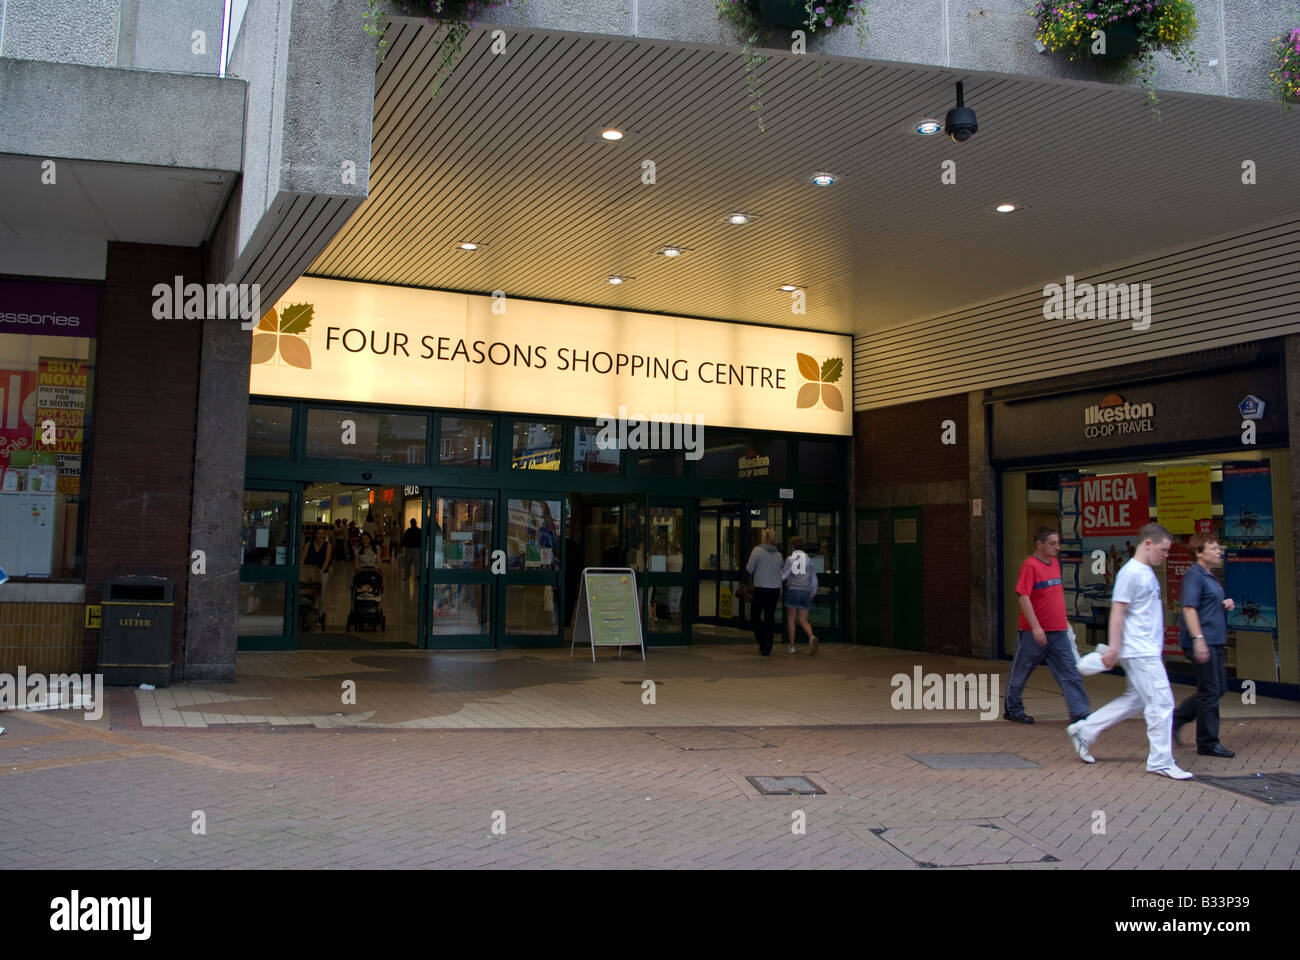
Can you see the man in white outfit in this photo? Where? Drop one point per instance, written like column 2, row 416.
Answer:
column 1136, row 639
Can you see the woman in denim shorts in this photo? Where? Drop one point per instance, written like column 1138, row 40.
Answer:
column 800, row 588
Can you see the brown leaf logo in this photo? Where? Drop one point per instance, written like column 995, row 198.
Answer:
column 284, row 332
column 823, row 376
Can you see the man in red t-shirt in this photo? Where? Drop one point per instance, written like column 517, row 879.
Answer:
column 1044, row 631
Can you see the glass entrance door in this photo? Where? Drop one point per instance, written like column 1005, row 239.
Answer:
column 723, row 552
column 457, row 552
column 667, row 576
column 604, row 530
column 530, row 604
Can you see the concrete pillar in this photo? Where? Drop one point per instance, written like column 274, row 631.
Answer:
column 212, row 612
column 983, row 532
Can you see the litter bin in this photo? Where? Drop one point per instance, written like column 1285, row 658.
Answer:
column 135, row 636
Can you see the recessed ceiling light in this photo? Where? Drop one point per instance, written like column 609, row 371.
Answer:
column 789, row 287
column 738, row 219
column 823, row 179
column 468, row 246
column 671, row 252
column 611, row 133
column 1005, row 207
column 927, row 127
column 616, row 280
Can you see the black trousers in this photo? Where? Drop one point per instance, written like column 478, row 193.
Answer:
column 764, row 606
column 1203, row 705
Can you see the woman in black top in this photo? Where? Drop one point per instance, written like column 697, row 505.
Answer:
column 319, row 554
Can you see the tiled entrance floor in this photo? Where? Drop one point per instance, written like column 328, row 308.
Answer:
column 720, row 685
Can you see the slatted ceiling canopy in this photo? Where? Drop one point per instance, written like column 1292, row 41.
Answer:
column 508, row 155
column 1240, row 288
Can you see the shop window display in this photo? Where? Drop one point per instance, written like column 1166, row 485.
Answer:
column 46, row 388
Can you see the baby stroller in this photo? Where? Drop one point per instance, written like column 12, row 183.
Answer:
column 309, row 598
column 367, row 596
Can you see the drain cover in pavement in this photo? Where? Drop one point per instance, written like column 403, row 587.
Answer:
column 972, row 761
column 963, row 844
column 1268, row 787
column 785, row 786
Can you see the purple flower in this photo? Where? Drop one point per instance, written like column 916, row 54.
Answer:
column 819, row 10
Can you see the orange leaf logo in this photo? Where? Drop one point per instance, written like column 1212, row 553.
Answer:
column 285, row 332
column 823, row 376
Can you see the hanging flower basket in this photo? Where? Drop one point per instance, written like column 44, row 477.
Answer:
column 1286, row 77
column 458, row 16
column 1127, row 32
column 1122, row 41
column 789, row 14
column 755, row 21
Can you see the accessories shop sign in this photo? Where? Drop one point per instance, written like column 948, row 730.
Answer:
column 49, row 309
column 368, row 343
column 1203, row 411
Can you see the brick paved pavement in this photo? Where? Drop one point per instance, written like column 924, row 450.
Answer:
column 119, row 795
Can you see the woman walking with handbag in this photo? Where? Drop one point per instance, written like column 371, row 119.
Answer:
column 764, row 568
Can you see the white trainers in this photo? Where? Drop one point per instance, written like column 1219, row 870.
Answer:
column 1080, row 744
column 1173, row 772
column 1091, row 664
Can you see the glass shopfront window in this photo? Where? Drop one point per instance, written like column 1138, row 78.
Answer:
column 462, row 533
column 667, row 539
column 261, row 609
column 383, row 437
column 1242, row 499
column 532, row 535
column 265, row 538
column 589, row 456
column 47, row 365
column 742, row 457
column 465, row 442
column 536, row 445
column 270, row 430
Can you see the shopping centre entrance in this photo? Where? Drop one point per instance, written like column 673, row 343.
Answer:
column 371, row 558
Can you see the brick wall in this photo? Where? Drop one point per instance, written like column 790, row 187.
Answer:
column 900, row 445
column 142, row 458
column 946, row 564
column 900, row 462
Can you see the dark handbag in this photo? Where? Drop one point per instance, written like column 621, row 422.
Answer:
column 745, row 592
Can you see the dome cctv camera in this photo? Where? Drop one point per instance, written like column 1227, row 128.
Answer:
column 960, row 123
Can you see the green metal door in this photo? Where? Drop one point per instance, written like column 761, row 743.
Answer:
column 906, row 591
column 871, row 579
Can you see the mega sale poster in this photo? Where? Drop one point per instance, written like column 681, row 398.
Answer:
column 1112, row 510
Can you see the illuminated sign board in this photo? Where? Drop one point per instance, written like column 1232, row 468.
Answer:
column 367, row 343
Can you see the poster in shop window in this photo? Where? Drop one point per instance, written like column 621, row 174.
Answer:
column 61, row 397
column 1183, row 497
column 1071, row 557
column 1252, row 584
column 1176, row 565
column 1247, row 503
column 1111, row 511
column 17, row 412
